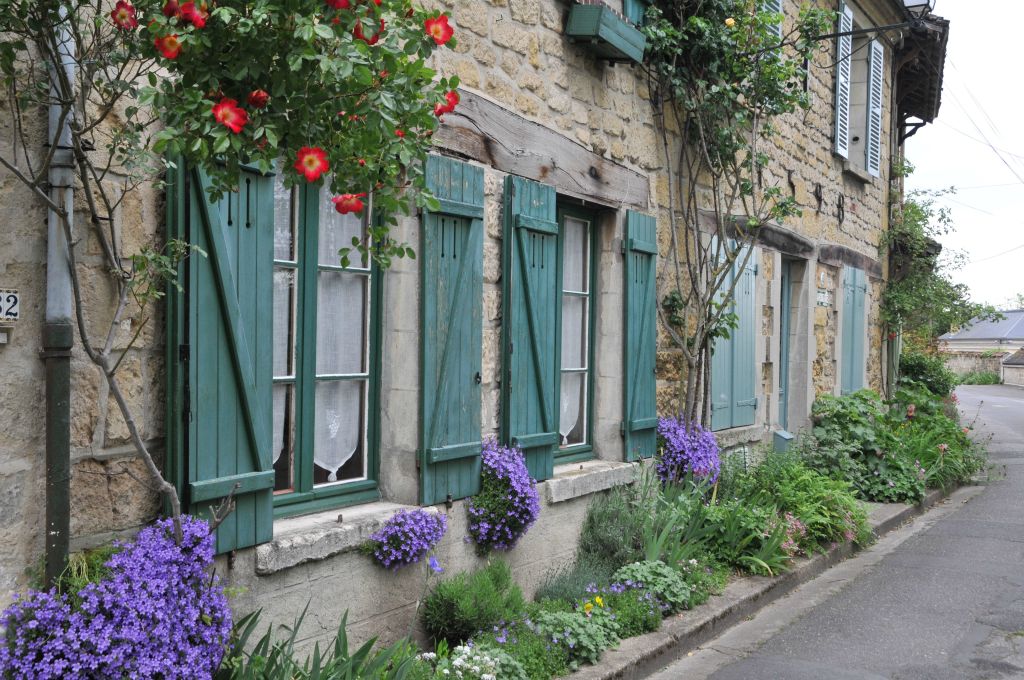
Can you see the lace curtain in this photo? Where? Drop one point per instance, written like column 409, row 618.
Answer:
column 574, row 326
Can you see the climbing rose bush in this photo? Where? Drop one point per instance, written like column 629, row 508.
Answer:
column 159, row 613
column 322, row 91
column 507, row 505
column 406, row 537
column 686, row 450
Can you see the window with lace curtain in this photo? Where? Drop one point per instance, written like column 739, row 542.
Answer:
column 324, row 364
column 574, row 426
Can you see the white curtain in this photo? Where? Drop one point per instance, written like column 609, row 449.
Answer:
column 340, row 345
column 574, row 314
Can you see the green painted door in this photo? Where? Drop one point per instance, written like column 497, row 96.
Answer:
column 640, row 336
column 785, row 308
column 226, row 323
column 853, row 331
column 452, row 269
column 733, row 364
column 531, row 323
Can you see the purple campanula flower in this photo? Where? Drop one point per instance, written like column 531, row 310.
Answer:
column 406, row 537
column 688, row 449
column 508, row 504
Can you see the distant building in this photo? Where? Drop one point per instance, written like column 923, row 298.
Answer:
column 982, row 345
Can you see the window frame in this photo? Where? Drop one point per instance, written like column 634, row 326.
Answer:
column 306, row 497
column 579, row 452
column 630, row 8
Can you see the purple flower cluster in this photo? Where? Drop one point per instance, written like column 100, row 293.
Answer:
column 687, row 449
column 406, row 537
column 159, row 614
column 507, row 505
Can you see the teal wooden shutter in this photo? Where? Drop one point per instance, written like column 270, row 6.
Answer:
column 844, row 49
column 635, row 10
column 853, row 330
column 744, row 371
column 229, row 318
column 721, row 371
column 452, row 283
column 531, row 322
column 733, row 361
column 876, row 81
column 641, row 418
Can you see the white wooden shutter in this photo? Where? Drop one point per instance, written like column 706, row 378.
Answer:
column 876, row 79
column 844, row 48
column 774, row 6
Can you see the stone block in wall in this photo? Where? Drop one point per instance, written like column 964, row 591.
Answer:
column 525, row 11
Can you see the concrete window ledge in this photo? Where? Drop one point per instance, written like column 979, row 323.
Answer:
column 580, row 479
column 316, row 537
column 856, row 173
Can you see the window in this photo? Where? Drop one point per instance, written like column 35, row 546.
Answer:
column 324, row 365
column 860, row 73
column 733, row 402
column 635, row 10
column 774, row 6
column 574, row 426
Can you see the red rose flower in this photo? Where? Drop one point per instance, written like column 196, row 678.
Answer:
column 339, row 4
column 228, row 114
column 348, row 203
column 362, row 162
column 452, row 97
column 312, row 162
column 258, row 98
column 123, row 16
column 373, row 39
column 399, row 133
column 168, row 45
column 438, row 29
column 171, row 8
column 440, row 109
column 194, row 14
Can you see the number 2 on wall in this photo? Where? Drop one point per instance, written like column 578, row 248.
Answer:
column 9, row 303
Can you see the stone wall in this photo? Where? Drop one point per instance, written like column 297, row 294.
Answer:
column 963, row 363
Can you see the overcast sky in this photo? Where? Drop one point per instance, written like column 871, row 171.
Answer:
column 982, row 104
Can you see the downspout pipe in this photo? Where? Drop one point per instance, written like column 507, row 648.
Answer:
column 58, row 331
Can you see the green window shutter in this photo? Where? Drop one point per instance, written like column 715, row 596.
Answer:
column 775, row 7
column 853, row 330
column 452, row 283
column 228, row 317
column 733, row 364
column 531, row 303
column 635, row 10
column 744, row 369
column 844, row 72
column 641, row 418
column 721, row 372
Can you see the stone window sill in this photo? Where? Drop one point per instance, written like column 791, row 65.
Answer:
column 574, row 480
column 309, row 538
column 319, row 536
column 857, row 174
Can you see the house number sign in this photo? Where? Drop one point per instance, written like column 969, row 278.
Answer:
column 824, row 297
column 10, row 303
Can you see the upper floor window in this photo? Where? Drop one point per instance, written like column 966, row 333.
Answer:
column 860, row 76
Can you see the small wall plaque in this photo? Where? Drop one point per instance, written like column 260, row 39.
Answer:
column 824, row 297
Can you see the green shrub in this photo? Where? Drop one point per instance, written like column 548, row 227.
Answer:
column 569, row 583
column 469, row 602
column 664, row 582
column 274, row 658
column 853, row 421
column 835, row 461
column 583, row 636
column 746, row 535
column 612, row 533
column 929, row 370
column 636, row 610
column 539, row 659
column 705, row 576
column 891, row 478
column 826, row 507
column 981, row 378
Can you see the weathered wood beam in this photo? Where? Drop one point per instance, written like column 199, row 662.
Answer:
column 486, row 132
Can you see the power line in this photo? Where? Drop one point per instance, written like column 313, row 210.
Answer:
column 992, row 257
column 979, row 141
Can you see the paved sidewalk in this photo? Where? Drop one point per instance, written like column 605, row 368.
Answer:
column 940, row 599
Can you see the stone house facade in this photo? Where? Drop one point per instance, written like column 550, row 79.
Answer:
column 329, row 398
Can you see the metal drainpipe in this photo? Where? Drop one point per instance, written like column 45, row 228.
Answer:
column 58, row 332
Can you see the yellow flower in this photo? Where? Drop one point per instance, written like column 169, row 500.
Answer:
column 588, row 607
column 730, row 22
column 598, row 601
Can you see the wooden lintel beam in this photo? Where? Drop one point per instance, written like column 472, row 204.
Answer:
column 486, row 132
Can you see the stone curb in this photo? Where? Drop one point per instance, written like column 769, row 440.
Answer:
column 640, row 656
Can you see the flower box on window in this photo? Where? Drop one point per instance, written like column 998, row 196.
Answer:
column 605, row 32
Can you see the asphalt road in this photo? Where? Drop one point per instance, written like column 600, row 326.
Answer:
column 942, row 598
